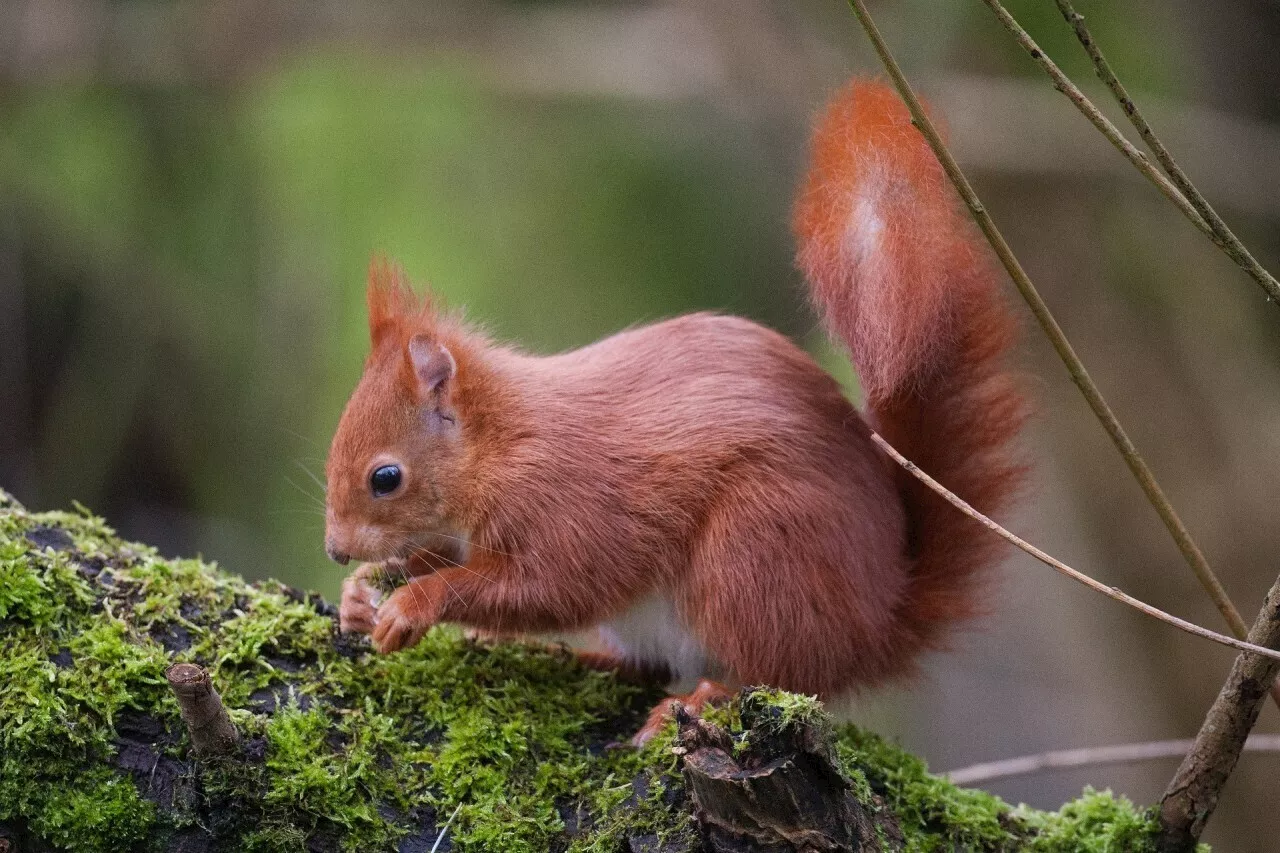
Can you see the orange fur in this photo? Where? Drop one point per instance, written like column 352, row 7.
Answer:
column 706, row 693
column 706, row 465
column 903, row 277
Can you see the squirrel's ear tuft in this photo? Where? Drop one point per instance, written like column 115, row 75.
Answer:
column 433, row 365
column 390, row 299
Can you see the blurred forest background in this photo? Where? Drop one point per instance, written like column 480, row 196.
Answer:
column 190, row 193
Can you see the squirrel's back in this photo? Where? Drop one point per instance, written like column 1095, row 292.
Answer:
column 662, row 422
column 705, row 375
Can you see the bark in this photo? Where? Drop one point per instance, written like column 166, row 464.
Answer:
column 783, row 793
column 1192, row 795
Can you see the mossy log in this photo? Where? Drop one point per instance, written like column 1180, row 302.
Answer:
column 465, row 745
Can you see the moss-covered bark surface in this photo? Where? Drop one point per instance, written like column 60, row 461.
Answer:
column 343, row 749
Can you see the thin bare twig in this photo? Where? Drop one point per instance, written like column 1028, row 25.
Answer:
column 1130, row 151
column 1092, row 756
column 1079, row 375
column 1076, row 575
column 1063, row 84
column 1193, row 792
column 444, row 829
column 1228, row 241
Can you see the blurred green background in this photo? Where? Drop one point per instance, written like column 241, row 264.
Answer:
column 196, row 267
column 190, row 193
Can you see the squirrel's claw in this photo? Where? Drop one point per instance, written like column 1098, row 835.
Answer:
column 360, row 600
column 403, row 619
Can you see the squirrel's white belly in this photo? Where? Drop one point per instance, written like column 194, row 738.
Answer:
column 651, row 631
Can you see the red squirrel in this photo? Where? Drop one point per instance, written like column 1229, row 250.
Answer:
column 699, row 490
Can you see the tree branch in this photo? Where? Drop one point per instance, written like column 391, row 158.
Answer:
column 1192, row 795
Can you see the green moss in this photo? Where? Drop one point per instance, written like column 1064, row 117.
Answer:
column 98, row 812
column 342, row 745
column 346, row 749
column 1096, row 823
column 933, row 813
column 778, row 710
column 113, row 670
column 40, row 598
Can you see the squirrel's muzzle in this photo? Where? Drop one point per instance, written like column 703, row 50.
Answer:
column 339, row 557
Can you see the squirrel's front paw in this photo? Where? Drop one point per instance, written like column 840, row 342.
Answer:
column 360, row 600
column 408, row 614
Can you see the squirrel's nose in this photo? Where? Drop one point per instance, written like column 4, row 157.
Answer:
column 339, row 557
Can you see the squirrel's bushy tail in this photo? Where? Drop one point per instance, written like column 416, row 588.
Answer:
column 902, row 277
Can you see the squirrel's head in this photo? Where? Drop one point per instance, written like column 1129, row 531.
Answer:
column 399, row 444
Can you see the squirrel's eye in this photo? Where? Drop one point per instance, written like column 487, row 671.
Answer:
column 385, row 480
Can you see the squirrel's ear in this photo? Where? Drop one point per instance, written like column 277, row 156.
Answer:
column 432, row 363
column 390, row 299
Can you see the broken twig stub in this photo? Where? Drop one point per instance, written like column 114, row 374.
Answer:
column 208, row 724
